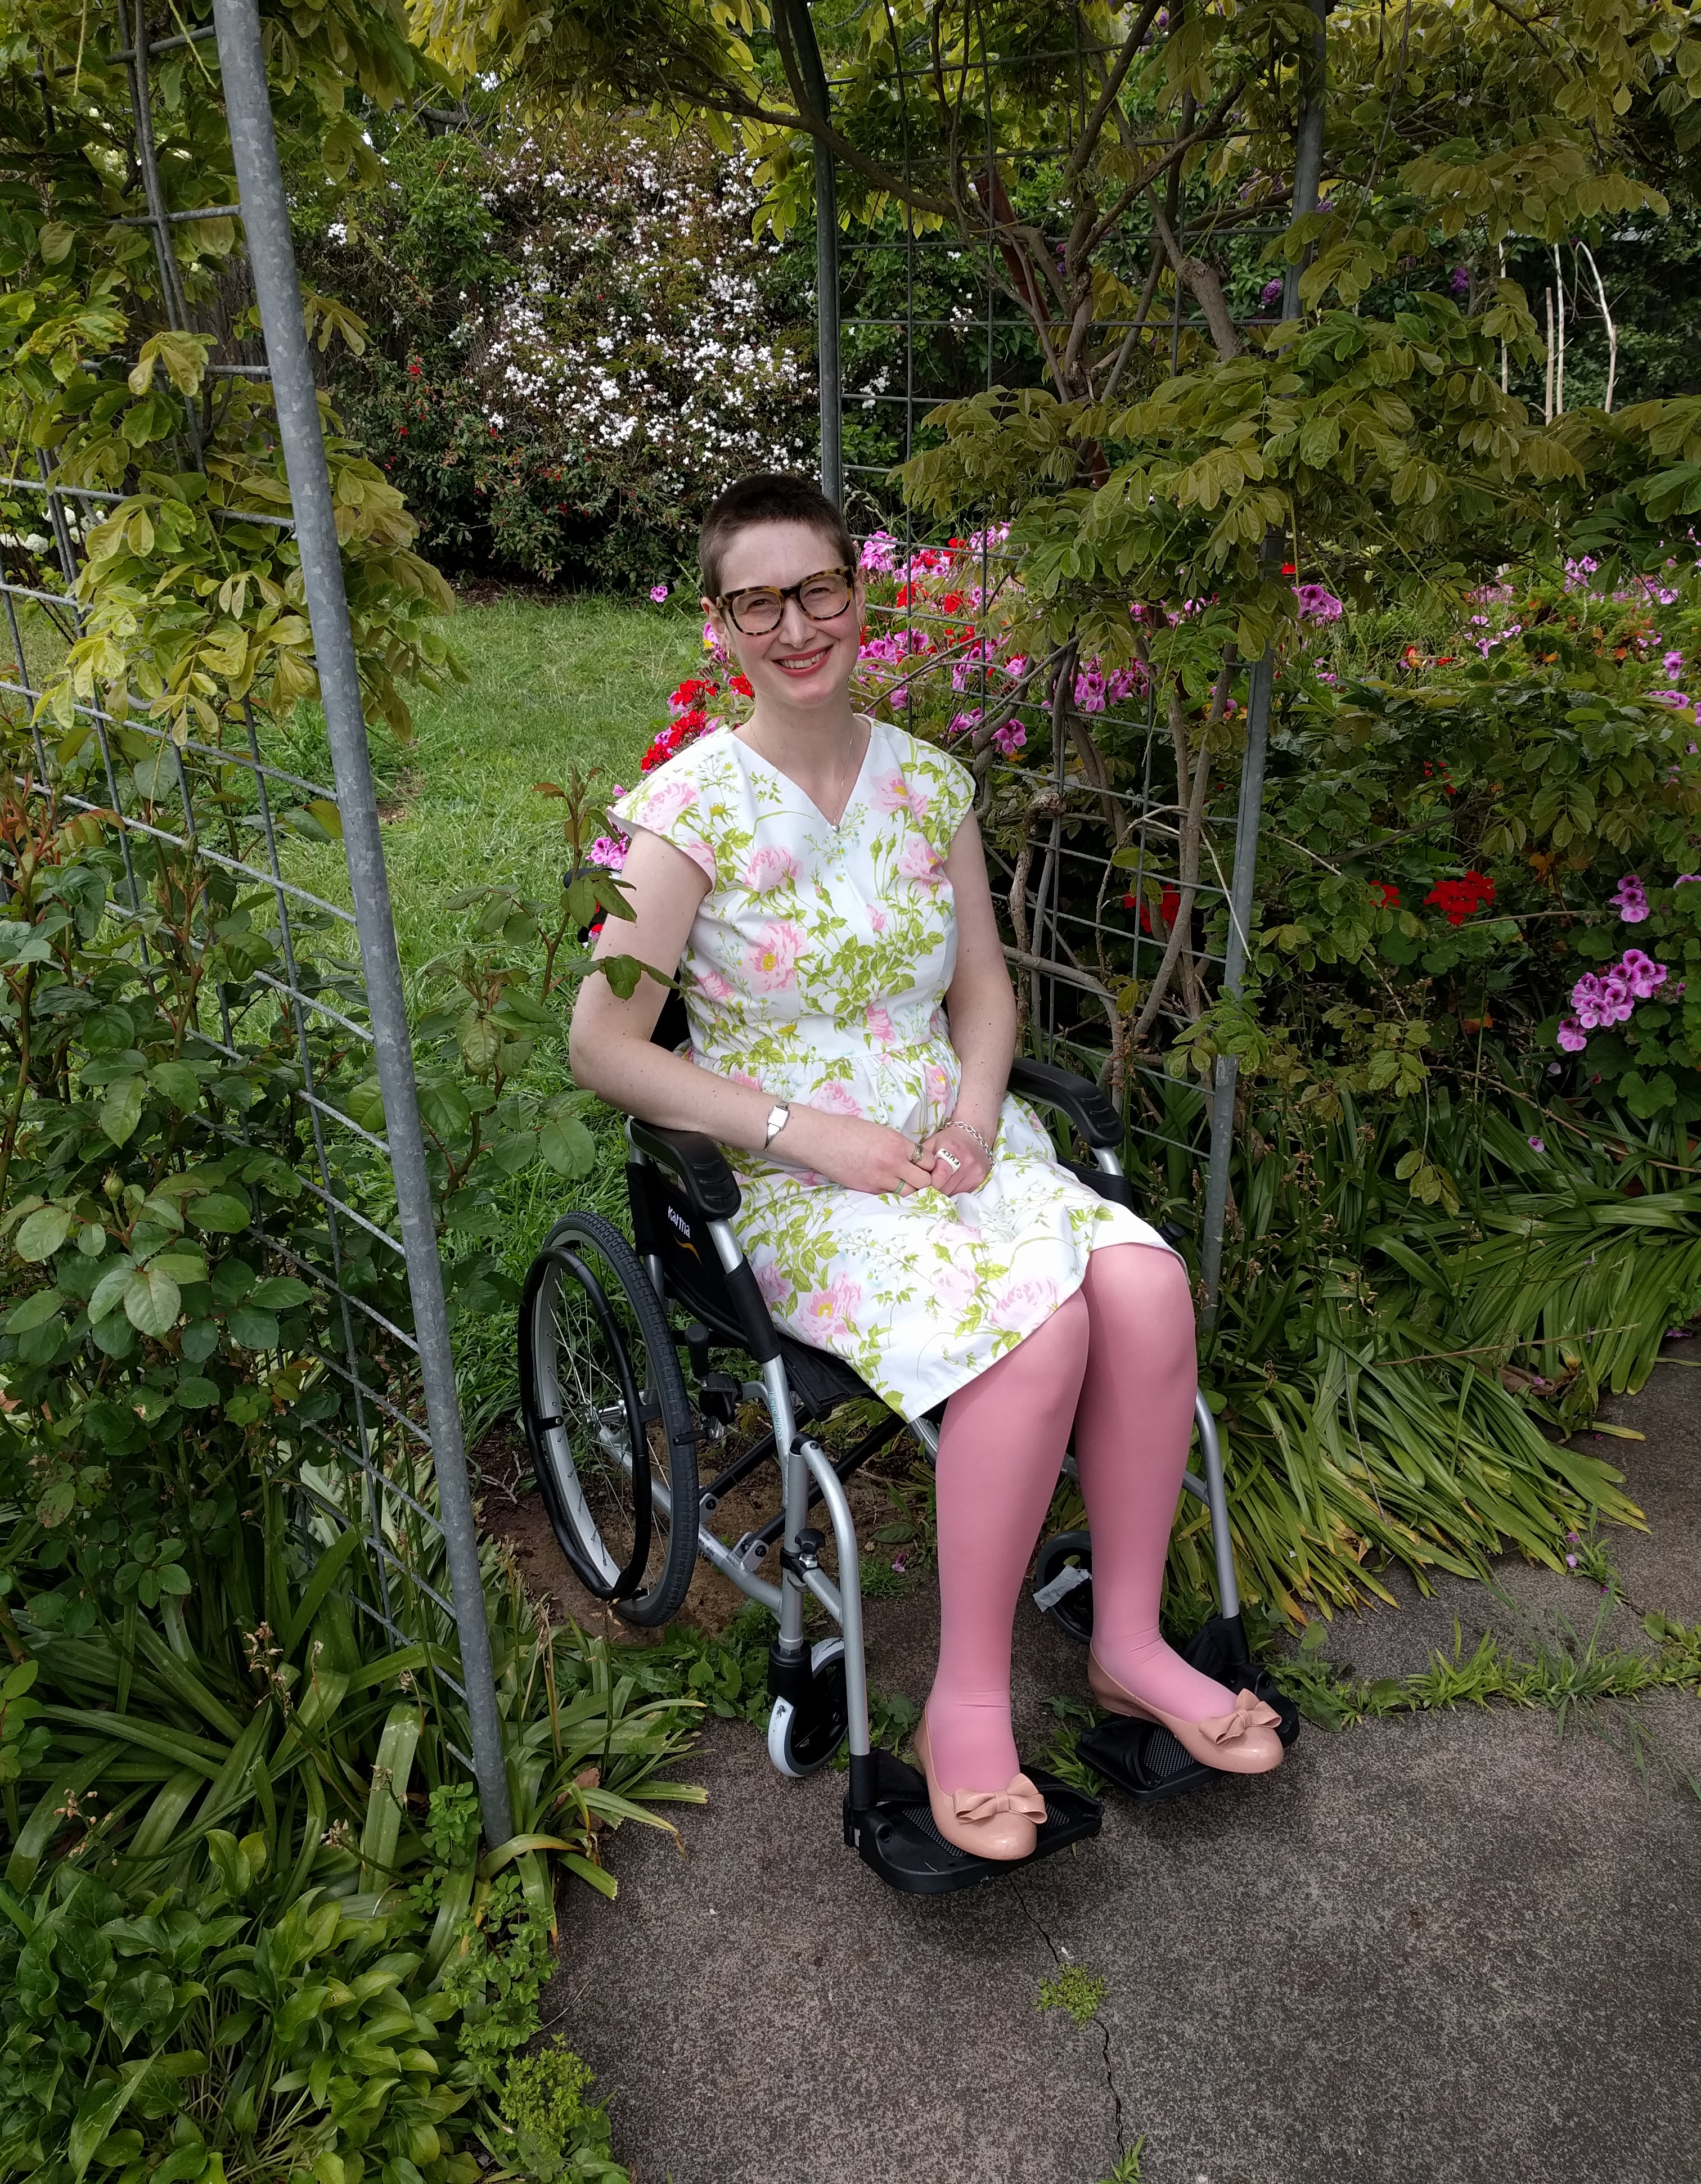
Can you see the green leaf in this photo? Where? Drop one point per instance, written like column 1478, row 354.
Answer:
column 121, row 1109
column 33, row 1311
column 178, row 1084
column 279, row 1293
column 146, row 1998
column 99, row 2109
column 568, row 1146
column 226, row 1211
column 196, row 1394
column 365, row 1105
column 152, row 1301
column 252, row 1330
column 43, row 1232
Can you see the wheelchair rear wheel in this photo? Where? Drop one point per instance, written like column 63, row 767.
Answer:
column 607, row 1419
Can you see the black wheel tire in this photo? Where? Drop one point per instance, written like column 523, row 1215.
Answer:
column 598, row 1371
column 1073, row 1610
column 801, row 1739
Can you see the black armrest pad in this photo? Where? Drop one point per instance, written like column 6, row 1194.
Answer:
column 1077, row 1097
column 699, row 1163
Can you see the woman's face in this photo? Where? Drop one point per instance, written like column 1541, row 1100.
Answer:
column 802, row 664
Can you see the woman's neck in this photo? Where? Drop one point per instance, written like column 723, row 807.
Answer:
column 819, row 752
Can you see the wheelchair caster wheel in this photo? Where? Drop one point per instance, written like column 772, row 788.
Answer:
column 1064, row 1585
column 807, row 1725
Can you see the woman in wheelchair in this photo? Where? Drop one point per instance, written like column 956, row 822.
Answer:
column 819, row 878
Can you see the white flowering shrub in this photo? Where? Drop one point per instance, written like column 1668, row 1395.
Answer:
column 573, row 344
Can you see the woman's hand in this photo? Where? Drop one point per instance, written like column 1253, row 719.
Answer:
column 959, row 1164
column 861, row 1156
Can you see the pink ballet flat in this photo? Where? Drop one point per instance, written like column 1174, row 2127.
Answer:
column 997, row 1823
column 1243, row 1743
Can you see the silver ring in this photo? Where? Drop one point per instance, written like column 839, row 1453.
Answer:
column 951, row 1160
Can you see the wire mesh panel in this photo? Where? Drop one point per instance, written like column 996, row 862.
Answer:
column 1120, row 809
column 299, row 1130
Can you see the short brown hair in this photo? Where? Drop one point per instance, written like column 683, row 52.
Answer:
column 767, row 497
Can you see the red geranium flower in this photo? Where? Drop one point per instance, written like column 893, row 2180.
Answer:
column 1171, row 903
column 1391, row 893
column 1461, row 899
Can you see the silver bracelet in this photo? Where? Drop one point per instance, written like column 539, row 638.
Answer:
column 778, row 1116
column 957, row 1123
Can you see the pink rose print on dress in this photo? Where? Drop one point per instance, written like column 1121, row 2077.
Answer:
column 921, row 862
column 769, row 869
column 771, row 956
column 1021, row 1305
column 877, row 919
column 953, row 1286
column 880, row 1025
column 698, row 851
column 939, row 1088
column 832, row 1098
column 825, row 1313
column 892, row 792
column 714, row 985
column 774, row 1287
column 664, row 803
column 743, row 1077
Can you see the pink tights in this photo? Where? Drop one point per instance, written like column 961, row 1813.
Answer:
column 1118, row 1359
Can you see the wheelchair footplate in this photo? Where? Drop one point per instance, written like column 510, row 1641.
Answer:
column 1148, row 1761
column 893, row 1830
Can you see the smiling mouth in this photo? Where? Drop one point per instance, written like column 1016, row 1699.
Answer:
column 801, row 663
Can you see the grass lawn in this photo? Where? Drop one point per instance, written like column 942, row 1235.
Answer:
column 549, row 684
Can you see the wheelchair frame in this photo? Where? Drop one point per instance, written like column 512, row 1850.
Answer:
column 697, row 1165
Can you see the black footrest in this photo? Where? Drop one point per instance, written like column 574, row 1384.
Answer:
column 894, row 1832
column 1143, row 1758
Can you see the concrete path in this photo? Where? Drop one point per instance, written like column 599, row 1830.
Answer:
column 1455, row 1949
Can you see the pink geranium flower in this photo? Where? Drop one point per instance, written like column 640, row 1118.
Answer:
column 771, row 958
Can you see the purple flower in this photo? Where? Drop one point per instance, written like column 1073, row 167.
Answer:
column 1317, row 604
column 961, row 723
column 1570, row 1035
column 1010, row 738
column 1673, row 663
column 1553, row 1069
column 1571, row 1560
column 1631, row 901
column 1460, row 283
column 1644, row 975
column 607, row 852
column 1687, row 879
column 1536, row 1146
column 1271, row 294
column 658, row 593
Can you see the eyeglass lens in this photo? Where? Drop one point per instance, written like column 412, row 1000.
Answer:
column 757, row 612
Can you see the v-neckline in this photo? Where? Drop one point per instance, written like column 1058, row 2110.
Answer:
column 778, row 773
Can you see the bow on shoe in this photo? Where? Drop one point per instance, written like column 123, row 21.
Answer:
column 1250, row 1713
column 984, row 1804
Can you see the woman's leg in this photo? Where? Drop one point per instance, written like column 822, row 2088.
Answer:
column 1000, row 1451
column 1132, row 1428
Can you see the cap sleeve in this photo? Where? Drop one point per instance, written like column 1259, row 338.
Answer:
column 948, row 787
column 669, row 804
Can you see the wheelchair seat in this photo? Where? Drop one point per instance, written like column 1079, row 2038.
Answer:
column 615, row 1433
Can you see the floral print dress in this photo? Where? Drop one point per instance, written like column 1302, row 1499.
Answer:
column 816, row 972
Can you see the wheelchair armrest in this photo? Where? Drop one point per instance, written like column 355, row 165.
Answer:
column 698, row 1162
column 1079, row 1098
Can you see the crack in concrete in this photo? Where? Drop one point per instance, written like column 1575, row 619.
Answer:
column 1060, row 1958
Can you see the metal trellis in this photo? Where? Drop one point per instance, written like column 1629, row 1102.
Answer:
column 204, row 799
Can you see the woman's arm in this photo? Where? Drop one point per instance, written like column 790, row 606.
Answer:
column 982, row 1008
column 610, row 1053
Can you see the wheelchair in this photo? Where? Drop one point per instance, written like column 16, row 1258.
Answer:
column 616, row 1433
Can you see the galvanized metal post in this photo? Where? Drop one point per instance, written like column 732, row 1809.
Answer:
column 266, row 219
column 1308, row 171
column 826, row 260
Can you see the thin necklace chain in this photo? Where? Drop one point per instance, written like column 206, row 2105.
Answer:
column 844, row 787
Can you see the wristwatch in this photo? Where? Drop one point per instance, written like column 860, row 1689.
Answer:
column 778, row 1116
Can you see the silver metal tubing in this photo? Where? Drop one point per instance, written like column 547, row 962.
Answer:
column 1108, row 1163
column 850, row 1592
column 266, row 220
column 1217, row 1495
column 1196, row 1486
column 926, row 1433
column 794, row 1484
